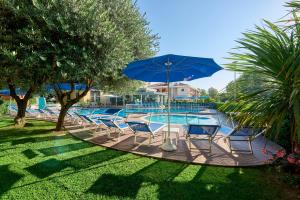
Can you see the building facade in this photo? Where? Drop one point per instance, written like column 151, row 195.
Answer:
column 178, row 91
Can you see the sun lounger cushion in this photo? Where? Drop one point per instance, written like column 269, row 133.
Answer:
column 143, row 127
column 111, row 111
column 113, row 124
column 202, row 129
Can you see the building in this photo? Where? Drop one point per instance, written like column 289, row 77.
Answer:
column 149, row 93
column 178, row 91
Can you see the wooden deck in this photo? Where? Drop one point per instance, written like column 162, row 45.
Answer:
column 220, row 154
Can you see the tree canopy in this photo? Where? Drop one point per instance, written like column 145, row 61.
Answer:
column 86, row 41
column 212, row 92
column 22, row 50
column 271, row 55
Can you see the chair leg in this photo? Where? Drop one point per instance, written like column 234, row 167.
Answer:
column 229, row 144
column 109, row 132
column 210, row 142
column 190, row 143
column 250, row 146
column 119, row 135
column 150, row 139
column 134, row 139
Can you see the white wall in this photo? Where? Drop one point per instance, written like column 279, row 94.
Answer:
column 186, row 91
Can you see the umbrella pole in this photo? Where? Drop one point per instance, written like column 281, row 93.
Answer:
column 168, row 146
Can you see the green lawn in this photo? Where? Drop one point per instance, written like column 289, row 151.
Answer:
column 35, row 163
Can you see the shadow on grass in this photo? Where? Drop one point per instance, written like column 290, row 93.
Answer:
column 6, row 122
column 29, row 153
column 4, row 126
column 159, row 172
column 51, row 166
column 232, row 186
column 15, row 133
column 8, row 178
column 64, row 148
column 208, row 183
column 37, row 139
column 29, row 124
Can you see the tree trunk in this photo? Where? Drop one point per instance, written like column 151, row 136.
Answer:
column 66, row 104
column 21, row 103
column 61, row 118
column 20, row 117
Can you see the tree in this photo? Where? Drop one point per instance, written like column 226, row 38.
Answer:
column 272, row 54
column 245, row 84
column 202, row 92
column 124, row 87
column 22, row 50
column 91, row 42
column 212, row 92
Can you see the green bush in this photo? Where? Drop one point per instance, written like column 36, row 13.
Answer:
column 228, row 106
column 219, row 105
column 3, row 106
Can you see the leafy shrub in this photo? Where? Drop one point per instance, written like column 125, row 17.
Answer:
column 3, row 107
column 219, row 105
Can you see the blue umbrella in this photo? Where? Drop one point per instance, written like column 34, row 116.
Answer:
column 6, row 92
column 171, row 68
column 65, row 86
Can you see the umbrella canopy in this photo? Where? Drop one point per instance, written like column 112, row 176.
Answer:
column 6, row 92
column 181, row 68
column 171, row 68
column 66, row 86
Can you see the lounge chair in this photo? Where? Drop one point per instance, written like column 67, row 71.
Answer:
column 114, row 125
column 34, row 113
column 201, row 132
column 89, row 121
column 145, row 128
column 243, row 135
column 75, row 119
column 108, row 113
column 12, row 109
column 84, row 120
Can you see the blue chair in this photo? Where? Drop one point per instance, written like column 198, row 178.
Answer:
column 75, row 119
column 141, row 127
column 112, row 111
column 201, row 132
column 108, row 112
column 89, row 121
column 12, row 108
column 34, row 113
column 245, row 134
column 116, row 125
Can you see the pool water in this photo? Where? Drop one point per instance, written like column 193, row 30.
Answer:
column 183, row 119
column 123, row 113
column 162, row 118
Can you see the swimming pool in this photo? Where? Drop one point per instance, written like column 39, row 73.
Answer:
column 183, row 119
column 157, row 117
column 125, row 112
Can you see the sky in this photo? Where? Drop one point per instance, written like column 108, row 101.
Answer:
column 207, row 28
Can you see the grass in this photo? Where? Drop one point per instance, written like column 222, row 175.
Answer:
column 36, row 163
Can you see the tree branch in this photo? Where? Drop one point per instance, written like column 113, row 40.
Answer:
column 29, row 92
column 12, row 90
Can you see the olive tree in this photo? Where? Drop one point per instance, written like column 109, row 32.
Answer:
column 70, row 41
column 92, row 41
column 24, row 58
